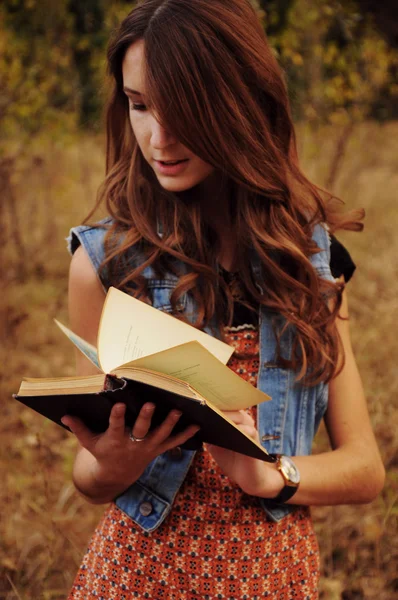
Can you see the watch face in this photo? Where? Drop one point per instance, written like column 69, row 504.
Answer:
column 290, row 470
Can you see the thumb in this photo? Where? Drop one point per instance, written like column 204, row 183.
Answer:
column 84, row 435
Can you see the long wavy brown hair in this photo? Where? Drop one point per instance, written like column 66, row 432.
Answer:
column 216, row 83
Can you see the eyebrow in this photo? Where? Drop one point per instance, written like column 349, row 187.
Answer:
column 130, row 91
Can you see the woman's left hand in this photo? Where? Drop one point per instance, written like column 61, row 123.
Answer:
column 253, row 476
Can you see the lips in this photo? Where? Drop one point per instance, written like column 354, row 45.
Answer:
column 172, row 162
column 171, row 168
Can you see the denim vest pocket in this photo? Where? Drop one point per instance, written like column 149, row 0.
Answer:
column 148, row 501
column 146, row 508
column 274, row 511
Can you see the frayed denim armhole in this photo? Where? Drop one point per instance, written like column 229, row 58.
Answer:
column 321, row 260
column 72, row 241
column 91, row 238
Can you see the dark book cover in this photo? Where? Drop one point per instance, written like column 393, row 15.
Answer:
column 94, row 410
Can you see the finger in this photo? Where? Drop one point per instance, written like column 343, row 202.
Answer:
column 117, row 424
column 236, row 416
column 161, row 433
column 250, row 431
column 143, row 421
column 180, row 438
column 240, row 417
column 84, row 435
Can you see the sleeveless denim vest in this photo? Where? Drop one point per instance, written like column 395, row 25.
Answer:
column 287, row 424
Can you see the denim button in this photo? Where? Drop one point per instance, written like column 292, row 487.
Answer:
column 175, row 453
column 146, row 508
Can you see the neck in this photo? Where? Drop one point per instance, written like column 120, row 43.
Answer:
column 216, row 197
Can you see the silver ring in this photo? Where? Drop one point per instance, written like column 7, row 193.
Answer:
column 133, row 438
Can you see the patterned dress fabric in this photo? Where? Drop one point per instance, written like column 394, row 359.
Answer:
column 215, row 544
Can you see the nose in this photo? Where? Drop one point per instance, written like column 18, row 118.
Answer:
column 160, row 136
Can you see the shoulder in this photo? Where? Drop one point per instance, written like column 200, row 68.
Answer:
column 90, row 238
column 83, row 278
column 86, row 296
column 82, row 271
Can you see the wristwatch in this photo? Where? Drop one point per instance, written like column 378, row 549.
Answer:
column 291, row 477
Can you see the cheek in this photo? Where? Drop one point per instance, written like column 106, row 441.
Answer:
column 139, row 132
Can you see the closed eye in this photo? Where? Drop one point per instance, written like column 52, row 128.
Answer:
column 137, row 106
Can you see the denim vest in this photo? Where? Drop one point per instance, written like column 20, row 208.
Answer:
column 287, row 424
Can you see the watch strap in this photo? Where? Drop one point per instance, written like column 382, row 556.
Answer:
column 289, row 489
column 285, row 494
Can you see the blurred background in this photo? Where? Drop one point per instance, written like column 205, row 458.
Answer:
column 340, row 61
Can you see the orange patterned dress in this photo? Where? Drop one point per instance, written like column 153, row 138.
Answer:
column 215, row 544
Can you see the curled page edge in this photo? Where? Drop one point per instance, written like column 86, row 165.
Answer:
column 85, row 348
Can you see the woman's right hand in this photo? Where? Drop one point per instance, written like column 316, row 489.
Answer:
column 110, row 462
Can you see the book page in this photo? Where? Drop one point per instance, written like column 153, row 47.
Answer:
column 89, row 384
column 87, row 349
column 191, row 362
column 131, row 329
column 159, row 380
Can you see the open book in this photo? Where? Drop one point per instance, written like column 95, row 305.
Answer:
column 148, row 355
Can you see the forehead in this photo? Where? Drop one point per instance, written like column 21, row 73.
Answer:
column 133, row 66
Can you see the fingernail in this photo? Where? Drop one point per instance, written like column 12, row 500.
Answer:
column 177, row 413
column 65, row 422
column 149, row 407
column 119, row 409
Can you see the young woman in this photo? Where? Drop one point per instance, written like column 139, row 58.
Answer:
column 210, row 218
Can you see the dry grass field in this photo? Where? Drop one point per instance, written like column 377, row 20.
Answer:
column 44, row 525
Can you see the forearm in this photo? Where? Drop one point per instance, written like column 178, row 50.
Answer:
column 348, row 475
column 353, row 471
column 342, row 476
column 93, row 488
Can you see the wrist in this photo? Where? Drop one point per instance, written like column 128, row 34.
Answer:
column 97, row 483
column 274, row 482
column 106, row 479
column 278, row 483
column 290, row 474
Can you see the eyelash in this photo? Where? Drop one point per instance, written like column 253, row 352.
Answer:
column 136, row 106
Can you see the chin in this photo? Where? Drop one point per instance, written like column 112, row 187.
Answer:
column 176, row 185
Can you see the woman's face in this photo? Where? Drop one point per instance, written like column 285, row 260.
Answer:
column 176, row 167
